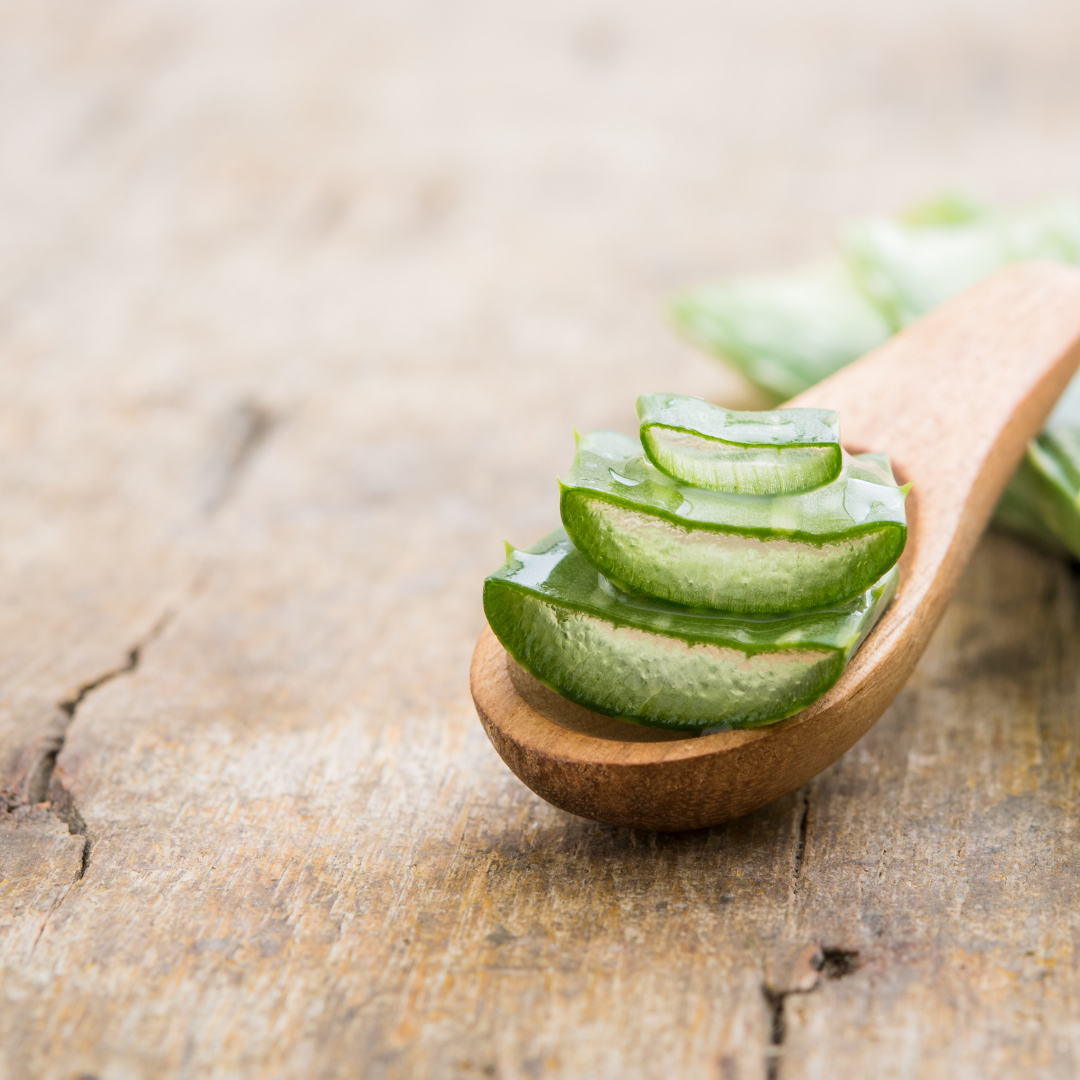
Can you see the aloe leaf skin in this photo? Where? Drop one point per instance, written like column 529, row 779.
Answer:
column 947, row 208
column 1042, row 501
column 1060, row 437
column 1027, row 506
column 784, row 332
column 907, row 270
column 1045, row 491
column 1050, row 230
column 751, row 453
column 654, row 536
column 661, row 666
column 907, row 267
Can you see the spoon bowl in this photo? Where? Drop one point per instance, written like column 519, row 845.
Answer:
column 953, row 400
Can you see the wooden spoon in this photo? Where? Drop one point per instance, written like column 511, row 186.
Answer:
column 953, row 400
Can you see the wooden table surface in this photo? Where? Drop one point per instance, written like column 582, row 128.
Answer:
column 298, row 306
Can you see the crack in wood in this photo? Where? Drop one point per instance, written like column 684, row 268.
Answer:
column 248, row 427
column 827, row 962
column 800, row 840
column 839, row 963
column 43, row 786
column 62, row 806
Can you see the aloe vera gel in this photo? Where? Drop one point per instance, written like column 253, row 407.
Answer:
column 750, row 453
column 701, row 608
column 756, row 554
column 661, row 665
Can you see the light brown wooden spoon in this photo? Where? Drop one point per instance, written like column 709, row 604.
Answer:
column 953, row 400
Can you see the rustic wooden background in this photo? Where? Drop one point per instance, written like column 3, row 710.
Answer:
column 298, row 305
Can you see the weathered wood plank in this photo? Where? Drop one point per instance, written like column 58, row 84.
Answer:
column 361, row 840
column 957, row 883
column 425, row 241
column 40, row 860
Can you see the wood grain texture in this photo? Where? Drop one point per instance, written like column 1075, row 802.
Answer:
column 953, row 400
column 426, row 240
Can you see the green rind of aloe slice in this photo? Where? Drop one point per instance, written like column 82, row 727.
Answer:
column 751, row 453
column 661, row 666
column 654, row 536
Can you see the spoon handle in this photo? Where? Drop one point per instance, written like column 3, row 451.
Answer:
column 954, row 401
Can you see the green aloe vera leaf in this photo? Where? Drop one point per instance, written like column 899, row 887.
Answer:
column 1060, row 437
column 663, row 666
column 907, row 270
column 784, row 332
column 654, row 536
column 909, row 266
column 753, row 453
column 1050, row 230
column 1025, row 507
column 1042, row 500
column 947, row 208
column 1049, row 492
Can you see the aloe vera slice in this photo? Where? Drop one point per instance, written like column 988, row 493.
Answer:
column 784, row 332
column 663, row 666
column 654, row 536
column 753, row 453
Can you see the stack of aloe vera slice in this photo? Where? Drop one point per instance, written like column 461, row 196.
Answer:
column 718, row 573
column 786, row 332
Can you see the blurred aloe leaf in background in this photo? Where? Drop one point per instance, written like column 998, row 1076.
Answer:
column 784, row 332
column 787, row 331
